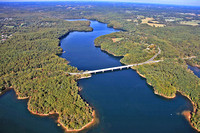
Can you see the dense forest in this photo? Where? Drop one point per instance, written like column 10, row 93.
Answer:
column 29, row 51
column 134, row 49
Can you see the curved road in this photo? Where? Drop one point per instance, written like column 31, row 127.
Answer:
column 126, row 66
column 155, row 55
column 121, row 67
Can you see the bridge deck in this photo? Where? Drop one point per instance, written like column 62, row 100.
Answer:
column 115, row 68
column 126, row 66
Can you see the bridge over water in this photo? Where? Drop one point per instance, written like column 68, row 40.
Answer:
column 125, row 66
column 114, row 68
column 121, row 67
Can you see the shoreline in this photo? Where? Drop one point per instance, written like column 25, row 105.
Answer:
column 186, row 113
column 85, row 77
column 20, row 98
column 198, row 66
column 6, row 90
column 155, row 92
column 53, row 112
column 82, row 128
column 193, row 64
column 58, row 118
column 91, row 123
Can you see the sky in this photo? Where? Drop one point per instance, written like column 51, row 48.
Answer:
column 174, row 2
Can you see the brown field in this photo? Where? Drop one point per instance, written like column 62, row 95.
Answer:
column 145, row 21
column 155, row 23
column 117, row 39
column 192, row 23
column 129, row 20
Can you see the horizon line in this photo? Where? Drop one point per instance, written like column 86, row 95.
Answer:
column 100, row 1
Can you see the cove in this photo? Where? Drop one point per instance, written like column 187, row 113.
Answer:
column 124, row 102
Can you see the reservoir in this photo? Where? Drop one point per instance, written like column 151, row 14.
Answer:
column 123, row 101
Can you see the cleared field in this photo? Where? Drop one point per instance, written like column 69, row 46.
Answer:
column 153, row 22
column 129, row 20
column 10, row 26
column 145, row 21
column 192, row 23
column 117, row 39
column 156, row 25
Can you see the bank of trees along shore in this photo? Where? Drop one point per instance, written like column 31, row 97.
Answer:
column 170, row 76
column 30, row 64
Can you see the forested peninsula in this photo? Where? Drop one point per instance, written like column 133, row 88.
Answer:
column 31, row 66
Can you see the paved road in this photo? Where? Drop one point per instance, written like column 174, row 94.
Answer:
column 126, row 66
column 115, row 68
column 155, row 55
column 121, row 67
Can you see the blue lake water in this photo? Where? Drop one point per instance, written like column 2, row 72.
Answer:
column 123, row 101
column 15, row 118
column 195, row 70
